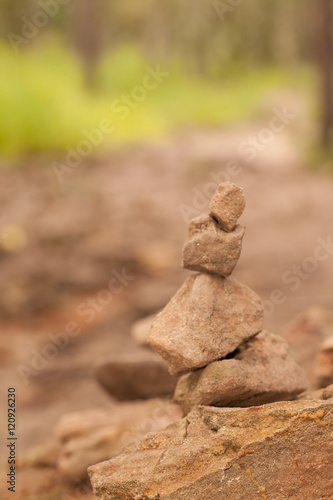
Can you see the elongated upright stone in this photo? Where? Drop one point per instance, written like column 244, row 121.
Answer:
column 227, row 205
column 276, row 451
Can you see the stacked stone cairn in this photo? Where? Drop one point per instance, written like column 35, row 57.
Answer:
column 211, row 332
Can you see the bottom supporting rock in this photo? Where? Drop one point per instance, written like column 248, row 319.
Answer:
column 260, row 371
column 276, row 451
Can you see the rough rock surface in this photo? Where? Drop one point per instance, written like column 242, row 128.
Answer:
column 261, row 371
column 91, row 436
column 208, row 318
column 141, row 375
column 210, row 249
column 140, row 330
column 227, row 205
column 277, row 451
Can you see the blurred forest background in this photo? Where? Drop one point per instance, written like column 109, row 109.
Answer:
column 64, row 63
column 81, row 205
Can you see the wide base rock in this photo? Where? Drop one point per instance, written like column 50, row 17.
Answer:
column 208, row 318
column 260, row 371
column 272, row 452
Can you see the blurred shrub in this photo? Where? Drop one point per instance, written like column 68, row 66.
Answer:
column 44, row 104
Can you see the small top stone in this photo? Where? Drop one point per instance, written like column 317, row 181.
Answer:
column 227, row 205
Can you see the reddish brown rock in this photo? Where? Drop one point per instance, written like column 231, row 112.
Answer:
column 140, row 375
column 277, row 451
column 227, row 205
column 91, row 436
column 210, row 249
column 260, row 371
column 324, row 369
column 208, row 318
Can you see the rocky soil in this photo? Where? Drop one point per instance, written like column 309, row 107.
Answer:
column 61, row 243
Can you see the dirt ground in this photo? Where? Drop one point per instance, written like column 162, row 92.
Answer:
column 63, row 242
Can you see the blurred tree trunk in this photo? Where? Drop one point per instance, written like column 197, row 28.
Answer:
column 87, row 34
column 325, row 57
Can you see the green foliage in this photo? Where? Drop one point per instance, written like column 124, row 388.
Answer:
column 45, row 106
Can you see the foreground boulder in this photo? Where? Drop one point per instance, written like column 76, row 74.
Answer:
column 260, row 371
column 276, row 451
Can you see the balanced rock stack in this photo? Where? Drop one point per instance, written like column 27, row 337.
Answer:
column 211, row 332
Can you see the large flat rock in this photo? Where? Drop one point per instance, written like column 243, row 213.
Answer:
column 208, row 318
column 277, row 451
